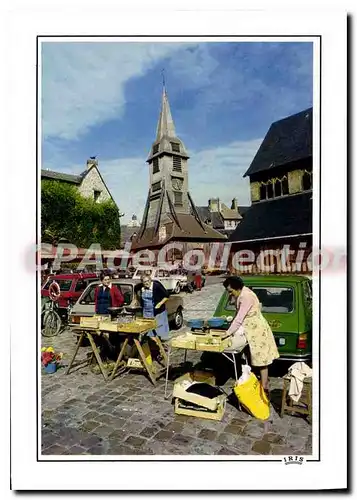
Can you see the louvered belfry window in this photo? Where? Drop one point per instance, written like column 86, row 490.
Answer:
column 178, row 199
column 155, row 164
column 156, row 187
column 176, row 161
column 175, row 147
column 155, row 149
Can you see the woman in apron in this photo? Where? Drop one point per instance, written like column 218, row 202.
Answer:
column 250, row 321
column 153, row 296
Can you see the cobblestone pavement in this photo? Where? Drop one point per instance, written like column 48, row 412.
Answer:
column 82, row 415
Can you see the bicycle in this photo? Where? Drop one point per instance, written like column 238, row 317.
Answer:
column 51, row 321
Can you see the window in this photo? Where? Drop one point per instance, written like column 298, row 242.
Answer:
column 270, row 190
column 155, row 164
column 176, row 161
column 275, row 299
column 263, row 192
column 126, row 290
column 81, row 286
column 155, row 149
column 156, row 186
column 285, row 186
column 65, row 285
column 272, row 299
column 96, row 195
column 307, row 180
column 178, row 199
column 175, row 147
column 277, row 188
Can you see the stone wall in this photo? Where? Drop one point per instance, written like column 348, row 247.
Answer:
column 93, row 182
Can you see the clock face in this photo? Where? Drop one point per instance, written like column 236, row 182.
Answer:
column 177, row 184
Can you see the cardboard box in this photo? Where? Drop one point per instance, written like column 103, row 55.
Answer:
column 183, row 409
column 180, row 391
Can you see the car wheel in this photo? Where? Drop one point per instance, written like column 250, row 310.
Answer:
column 177, row 288
column 178, row 319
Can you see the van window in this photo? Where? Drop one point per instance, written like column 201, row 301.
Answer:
column 81, row 286
column 273, row 299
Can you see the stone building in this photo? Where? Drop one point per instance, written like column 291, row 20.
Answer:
column 170, row 213
column 281, row 193
column 90, row 183
column 129, row 231
column 222, row 218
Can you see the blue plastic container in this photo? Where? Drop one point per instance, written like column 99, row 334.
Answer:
column 51, row 368
column 196, row 323
column 216, row 322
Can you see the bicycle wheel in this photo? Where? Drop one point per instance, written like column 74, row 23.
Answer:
column 51, row 324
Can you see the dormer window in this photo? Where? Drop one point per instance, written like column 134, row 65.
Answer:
column 155, row 166
column 96, row 195
column 175, row 147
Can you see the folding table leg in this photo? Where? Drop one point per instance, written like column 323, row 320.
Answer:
column 167, row 371
column 120, row 357
column 75, row 352
column 143, row 359
column 97, row 355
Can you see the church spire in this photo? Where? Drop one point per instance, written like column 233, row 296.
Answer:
column 165, row 126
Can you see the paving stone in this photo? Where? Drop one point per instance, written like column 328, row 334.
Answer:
column 208, row 434
column 181, row 440
column 226, row 451
column 244, row 445
column 174, row 427
column 103, row 430
column 240, row 422
column 135, row 441
column 261, row 447
column 227, row 438
column 89, row 425
column 253, row 429
column 189, row 430
column 76, row 450
column 234, row 429
column 55, row 449
column 163, row 435
column 273, row 438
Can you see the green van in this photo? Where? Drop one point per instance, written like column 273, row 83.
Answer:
column 287, row 306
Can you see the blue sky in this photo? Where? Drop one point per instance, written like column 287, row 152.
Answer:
column 103, row 98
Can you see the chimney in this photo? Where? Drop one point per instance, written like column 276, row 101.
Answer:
column 213, row 204
column 92, row 161
column 234, row 205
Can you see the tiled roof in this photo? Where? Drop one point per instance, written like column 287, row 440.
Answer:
column 287, row 140
column 58, row 176
column 279, row 217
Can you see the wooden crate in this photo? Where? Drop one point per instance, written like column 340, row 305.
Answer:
column 91, row 321
column 139, row 326
column 220, row 346
column 181, row 409
column 181, row 393
column 186, row 341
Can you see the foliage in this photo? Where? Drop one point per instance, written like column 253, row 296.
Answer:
column 67, row 215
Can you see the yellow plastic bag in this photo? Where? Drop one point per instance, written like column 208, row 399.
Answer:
column 252, row 396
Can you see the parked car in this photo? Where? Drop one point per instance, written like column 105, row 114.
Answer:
column 85, row 304
column 71, row 287
column 173, row 283
column 286, row 303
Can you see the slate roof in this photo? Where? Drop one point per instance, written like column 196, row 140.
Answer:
column 287, row 140
column 279, row 217
column 58, row 176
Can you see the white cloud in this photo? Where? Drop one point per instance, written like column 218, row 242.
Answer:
column 216, row 172
column 83, row 83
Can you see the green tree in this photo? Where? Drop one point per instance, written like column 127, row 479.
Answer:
column 66, row 214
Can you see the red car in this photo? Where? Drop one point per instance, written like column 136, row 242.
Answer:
column 71, row 286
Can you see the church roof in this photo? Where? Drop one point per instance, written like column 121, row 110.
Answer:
column 278, row 217
column 287, row 140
